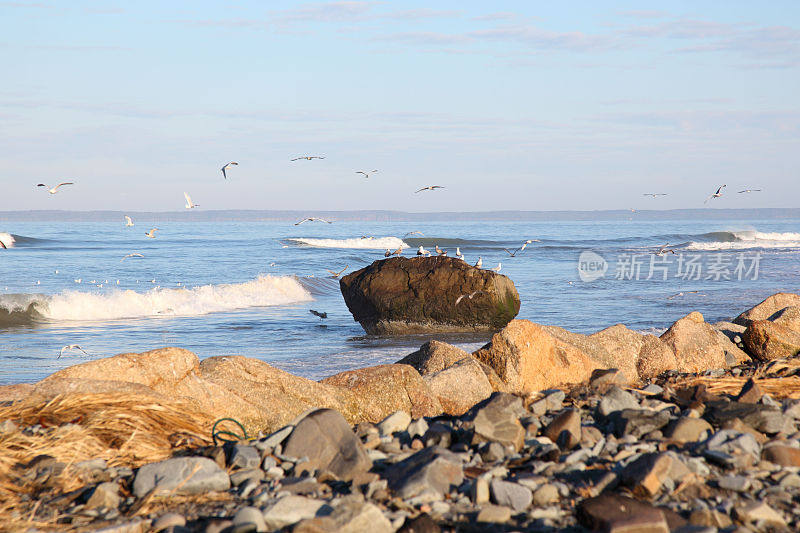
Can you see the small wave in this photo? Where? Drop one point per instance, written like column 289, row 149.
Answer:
column 447, row 242
column 743, row 240
column 74, row 305
column 7, row 239
column 369, row 243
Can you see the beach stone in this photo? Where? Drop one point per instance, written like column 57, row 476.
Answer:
column 655, row 358
column 421, row 524
column 761, row 417
column 623, row 346
column 649, row 473
column 734, row 483
column 741, row 449
column 411, row 295
column 603, row 378
column 767, row 340
column 496, row 419
column 768, row 307
column 781, row 455
column 291, row 509
column 480, row 490
column 620, row 514
column 353, row 516
column 168, row 520
column 565, row 429
column 104, row 495
column 439, row 434
column 759, row 511
column 616, row 399
column 695, row 344
column 493, row 514
column 710, row 518
column 269, row 442
column 788, row 317
column 397, row 421
column 244, row 456
column 434, row 356
column 325, row 438
column 734, row 355
column 687, row 429
column 240, row 476
column 417, row 428
column 384, row 389
column 492, row 451
column 750, row 392
column 250, row 515
column 528, row 358
column 430, row 471
column 183, row 475
column 511, row 494
column 460, row 386
column 637, row 422
column 545, row 495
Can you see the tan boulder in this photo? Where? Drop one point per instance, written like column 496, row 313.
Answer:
column 768, row 307
column 655, row 357
column 788, row 317
column 381, row 390
column 767, row 340
column 624, row 346
column 695, row 343
column 528, row 358
column 18, row 391
column 433, row 356
column 459, row 386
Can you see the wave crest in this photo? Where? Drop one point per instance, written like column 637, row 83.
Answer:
column 7, row 239
column 370, row 243
column 743, row 240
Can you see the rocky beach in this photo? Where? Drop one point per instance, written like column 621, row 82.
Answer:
column 541, row 429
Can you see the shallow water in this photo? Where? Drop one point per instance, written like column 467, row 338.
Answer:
column 246, row 288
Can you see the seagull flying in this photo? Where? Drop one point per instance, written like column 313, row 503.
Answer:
column 521, row 248
column 654, row 194
column 470, row 296
column 130, row 255
column 308, row 157
column 312, row 219
column 128, row 221
column 413, row 233
column 317, row 313
column 54, row 190
column 151, row 233
column 683, row 294
column 224, row 175
column 429, row 188
column 335, row 274
column 664, row 250
column 70, row 347
column 189, row 204
column 750, row 190
column 716, row 194
column 366, row 174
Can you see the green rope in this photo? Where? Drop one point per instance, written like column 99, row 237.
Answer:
column 234, row 437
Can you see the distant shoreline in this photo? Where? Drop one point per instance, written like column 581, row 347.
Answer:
column 250, row 215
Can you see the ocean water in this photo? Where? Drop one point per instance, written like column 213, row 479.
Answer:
column 246, row 288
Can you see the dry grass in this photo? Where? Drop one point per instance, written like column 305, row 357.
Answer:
column 123, row 429
column 777, row 387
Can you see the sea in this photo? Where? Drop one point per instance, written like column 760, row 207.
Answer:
column 246, row 287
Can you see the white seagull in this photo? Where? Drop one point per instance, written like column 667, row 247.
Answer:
column 134, row 254
column 308, row 157
column 335, row 274
column 750, row 190
column 716, row 194
column 664, row 250
column 459, row 254
column 390, row 253
column 498, row 267
column 70, row 347
column 313, row 219
column 151, row 233
column 189, row 204
column 470, row 296
column 654, row 194
column 429, row 188
column 224, row 175
column 318, row 313
column 422, row 251
column 683, row 294
column 413, row 233
column 366, row 174
column 479, row 264
column 54, row 190
column 128, row 221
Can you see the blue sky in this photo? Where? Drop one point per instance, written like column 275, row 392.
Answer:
column 521, row 105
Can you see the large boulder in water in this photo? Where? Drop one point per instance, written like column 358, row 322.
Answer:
column 414, row 295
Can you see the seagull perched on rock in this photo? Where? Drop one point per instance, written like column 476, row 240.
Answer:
column 389, row 253
column 189, row 203
column 224, row 168
column 313, row 219
column 130, row 255
column 308, row 157
column 54, row 190
column 318, row 313
column 459, row 254
column 422, row 251
column 654, row 194
column 479, row 264
column 716, row 194
column 498, row 267
column 151, row 233
column 128, row 221
column 664, row 250
column 70, row 347
column 429, row 188
column 470, row 296
column 335, row 274
column 439, row 251
column 750, row 190
column 366, row 174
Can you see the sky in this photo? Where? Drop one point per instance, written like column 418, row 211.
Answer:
column 521, row 105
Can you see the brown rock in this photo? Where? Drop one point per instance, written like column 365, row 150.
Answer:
column 788, row 317
column 647, row 474
column 624, row 346
column 565, row 429
column 655, row 357
column 688, row 430
column 767, row 340
column 12, row 393
column 433, row 356
column 611, row 512
column 528, row 358
column 382, row 390
column 459, row 386
column 781, row 455
column 733, row 354
column 695, row 344
column 768, row 307
column 750, row 392
column 497, row 420
column 405, row 295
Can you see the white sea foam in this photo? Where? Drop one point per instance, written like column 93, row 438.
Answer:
column 7, row 239
column 260, row 292
column 370, row 243
column 744, row 240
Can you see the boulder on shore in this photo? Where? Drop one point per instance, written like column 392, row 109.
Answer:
column 695, row 343
column 406, row 295
column 768, row 307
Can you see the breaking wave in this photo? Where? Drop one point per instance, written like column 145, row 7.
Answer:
column 742, row 240
column 365, row 243
column 19, row 309
column 7, row 239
